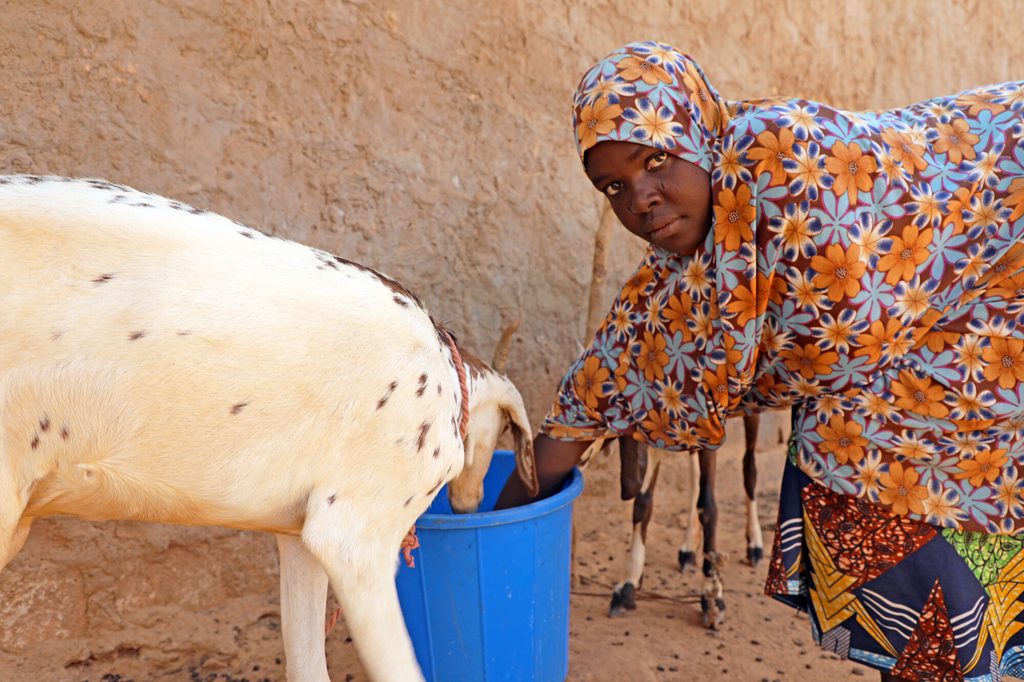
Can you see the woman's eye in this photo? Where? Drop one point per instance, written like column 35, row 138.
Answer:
column 613, row 188
column 656, row 160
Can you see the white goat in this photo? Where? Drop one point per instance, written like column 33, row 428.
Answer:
column 161, row 363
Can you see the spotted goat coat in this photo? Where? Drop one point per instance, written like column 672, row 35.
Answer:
column 161, row 363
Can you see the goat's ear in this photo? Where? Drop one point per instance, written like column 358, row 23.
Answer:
column 526, row 464
column 469, row 447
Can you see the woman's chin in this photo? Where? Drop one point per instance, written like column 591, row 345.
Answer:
column 685, row 250
column 681, row 242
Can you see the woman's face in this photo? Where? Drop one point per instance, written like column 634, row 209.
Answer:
column 655, row 195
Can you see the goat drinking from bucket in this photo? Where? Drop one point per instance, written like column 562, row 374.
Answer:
column 161, row 363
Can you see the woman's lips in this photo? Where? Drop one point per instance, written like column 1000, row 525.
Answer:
column 663, row 231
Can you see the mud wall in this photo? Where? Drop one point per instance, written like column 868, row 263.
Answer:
column 429, row 139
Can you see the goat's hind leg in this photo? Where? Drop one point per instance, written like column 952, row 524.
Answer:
column 360, row 562
column 15, row 474
column 303, row 596
column 13, row 535
column 14, row 527
column 712, row 602
column 755, row 542
column 623, row 594
column 691, row 537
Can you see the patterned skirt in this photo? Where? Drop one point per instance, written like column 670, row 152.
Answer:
column 915, row 600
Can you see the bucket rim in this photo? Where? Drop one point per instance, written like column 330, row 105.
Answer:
column 564, row 497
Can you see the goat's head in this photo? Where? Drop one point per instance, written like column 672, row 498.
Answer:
column 494, row 405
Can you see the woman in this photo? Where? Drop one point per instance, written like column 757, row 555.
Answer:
column 864, row 268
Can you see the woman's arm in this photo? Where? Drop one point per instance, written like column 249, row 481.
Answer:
column 555, row 459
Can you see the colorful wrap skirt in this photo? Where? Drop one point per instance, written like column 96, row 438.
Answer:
column 902, row 596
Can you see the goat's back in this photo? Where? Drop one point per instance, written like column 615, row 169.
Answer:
column 191, row 369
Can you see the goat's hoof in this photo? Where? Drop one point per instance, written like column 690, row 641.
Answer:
column 754, row 555
column 623, row 599
column 712, row 612
column 686, row 559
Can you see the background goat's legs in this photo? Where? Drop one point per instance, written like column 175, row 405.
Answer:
column 712, row 603
column 643, row 508
column 703, row 519
column 755, row 543
column 691, row 536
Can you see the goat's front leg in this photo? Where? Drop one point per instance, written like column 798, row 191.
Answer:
column 691, row 538
column 360, row 560
column 623, row 595
column 14, row 527
column 755, row 543
column 303, row 598
column 712, row 604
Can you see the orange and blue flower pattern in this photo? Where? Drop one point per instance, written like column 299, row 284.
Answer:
column 867, row 267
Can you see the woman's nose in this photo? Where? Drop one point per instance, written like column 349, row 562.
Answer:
column 645, row 197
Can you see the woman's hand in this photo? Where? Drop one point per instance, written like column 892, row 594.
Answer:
column 555, row 459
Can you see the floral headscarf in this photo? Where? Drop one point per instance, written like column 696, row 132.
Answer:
column 651, row 94
column 868, row 267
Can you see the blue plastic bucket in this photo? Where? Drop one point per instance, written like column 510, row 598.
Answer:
column 489, row 596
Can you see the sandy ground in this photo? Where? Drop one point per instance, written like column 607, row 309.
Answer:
column 662, row 640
